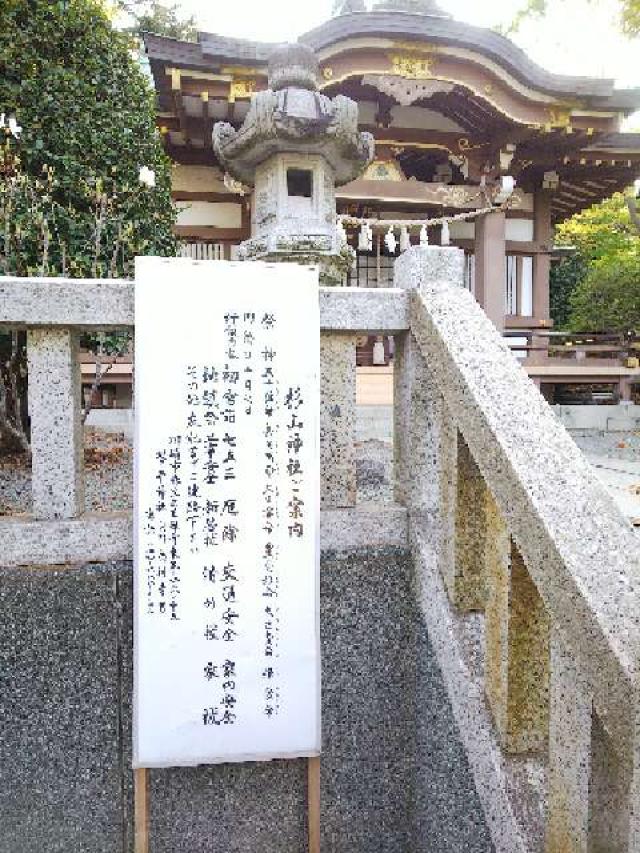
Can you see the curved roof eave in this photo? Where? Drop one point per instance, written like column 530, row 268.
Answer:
column 439, row 30
column 211, row 47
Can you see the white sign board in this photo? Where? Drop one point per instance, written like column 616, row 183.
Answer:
column 227, row 387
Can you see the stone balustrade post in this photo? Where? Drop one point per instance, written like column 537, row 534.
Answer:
column 56, row 428
column 424, row 433
column 570, row 708
column 338, row 419
column 427, row 454
column 482, row 541
column 593, row 792
column 614, row 788
column 516, row 656
column 403, row 360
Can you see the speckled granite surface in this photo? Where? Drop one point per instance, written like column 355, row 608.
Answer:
column 395, row 779
column 394, row 774
column 62, row 738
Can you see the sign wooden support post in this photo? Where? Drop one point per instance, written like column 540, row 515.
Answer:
column 141, row 810
column 141, row 807
column 313, row 797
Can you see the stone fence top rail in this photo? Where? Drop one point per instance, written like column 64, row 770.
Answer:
column 580, row 550
column 109, row 304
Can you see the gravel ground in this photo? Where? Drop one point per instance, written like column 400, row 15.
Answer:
column 374, row 470
column 614, row 456
column 108, row 476
column 614, row 445
column 109, row 470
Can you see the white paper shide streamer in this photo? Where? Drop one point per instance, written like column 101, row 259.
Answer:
column 390, row 241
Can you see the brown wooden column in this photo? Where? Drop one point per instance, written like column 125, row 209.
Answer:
column 626, row 389
column 542, row 234
column 490, row 266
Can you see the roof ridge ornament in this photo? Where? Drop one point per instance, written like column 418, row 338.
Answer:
column 417, row 7
column 348, row 7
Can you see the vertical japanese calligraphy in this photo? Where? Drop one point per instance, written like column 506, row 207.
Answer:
column 227, row 512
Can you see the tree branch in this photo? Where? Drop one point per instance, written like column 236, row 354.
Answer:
column 101, row 372
column 634, row 213
column 7, row 427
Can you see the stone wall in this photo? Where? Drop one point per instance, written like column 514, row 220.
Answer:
column 394, row 774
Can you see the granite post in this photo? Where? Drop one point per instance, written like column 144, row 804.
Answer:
column 570, row 709
column 517, row 656
column 56, row 428
column 481, row 537
column 337, row 419
column 424, row 434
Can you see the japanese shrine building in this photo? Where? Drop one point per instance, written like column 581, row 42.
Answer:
column 452, row 108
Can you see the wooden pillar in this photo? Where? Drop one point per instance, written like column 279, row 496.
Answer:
column 313, row 804
column 490, row 275
column 141, row 810
column 542, row 235
column 626, row 389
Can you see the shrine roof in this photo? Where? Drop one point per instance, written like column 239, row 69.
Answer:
column 434, row 93
column 436, row 30
column 617, row 142
column 447, row 31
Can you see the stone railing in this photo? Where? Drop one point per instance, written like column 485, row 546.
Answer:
column 508, row 520
column 526, row 572
column 55, row 313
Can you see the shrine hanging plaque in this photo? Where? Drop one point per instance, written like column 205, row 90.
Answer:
column 227, row 512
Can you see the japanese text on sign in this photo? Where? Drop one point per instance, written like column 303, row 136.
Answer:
column 227, row 509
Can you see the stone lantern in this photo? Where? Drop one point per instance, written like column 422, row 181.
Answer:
column 293, row 148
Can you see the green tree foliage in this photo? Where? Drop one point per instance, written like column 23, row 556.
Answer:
column 598, row 287
column 600, row 231
column 629, row 15
column 71, row 201
column 608, row 299
column 565, row 276
column 152, row 16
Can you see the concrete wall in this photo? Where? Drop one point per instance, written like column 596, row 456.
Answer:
column 394, row 775
column 607, row 418
column 112, row 420
column 206, row 213
column 65, row 659
column 203, row 179
column 376, row 422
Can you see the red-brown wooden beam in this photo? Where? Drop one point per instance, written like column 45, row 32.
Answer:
column 184, row 195
column 209, row 232
column 415, row 137
column 191, row 156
